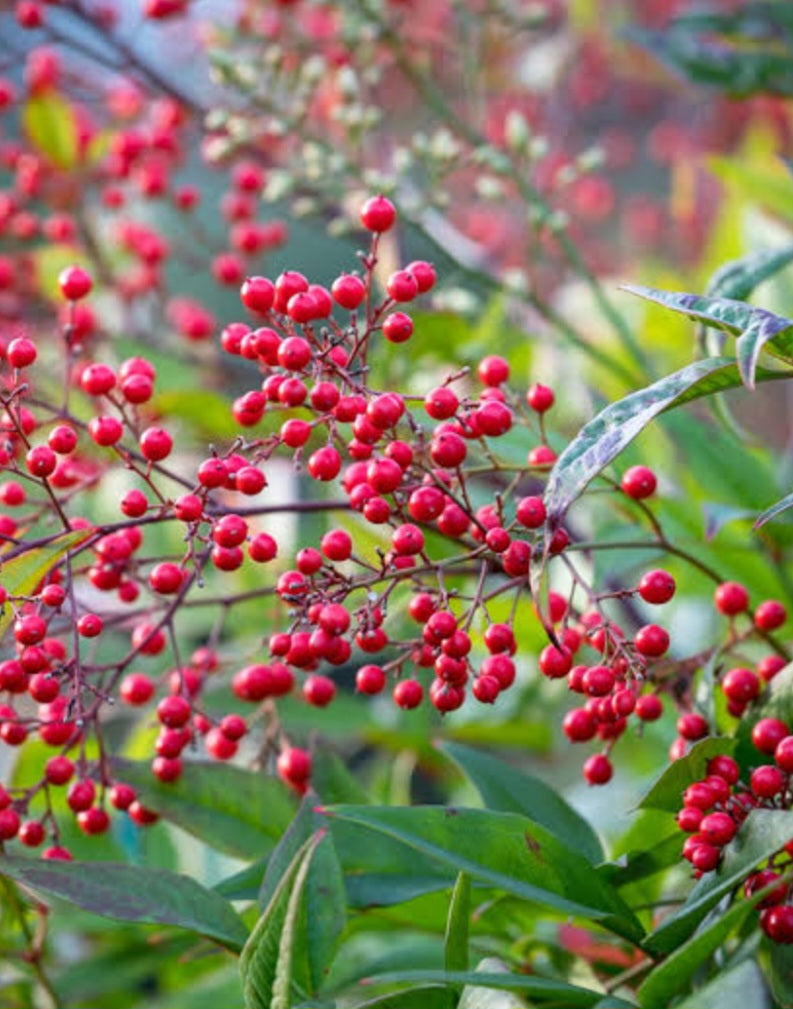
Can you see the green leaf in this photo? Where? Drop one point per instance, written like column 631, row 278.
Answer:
column 734, row 69
column 738, row 278
column 239, row 812
column 674, row 974
column 208, row 414
column 741, row 985
column 20, row 575
column 763, row 832
column 780, row 975
column 132, row 893
column 505, row 850
column 290, row 948
column 764, row 183
column 757, row 328
column 511, row 791
column 648, row 862
column 419, row 997
column 773, row 510
column 666, row 793
column 50, row 123
column 605, row 436
column 539, row 989
column 245, row 884
column 456, row 941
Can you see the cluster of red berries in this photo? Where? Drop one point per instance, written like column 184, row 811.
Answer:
column 410, row 467
column 715, row 808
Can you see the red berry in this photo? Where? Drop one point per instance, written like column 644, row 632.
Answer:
column 166, row 578
column 768, row 733
column 81, row 795
column 718, row 828
column 136, row 688
column 597, row 769
column 155, row 444
column 378, row 214
column 174, row 711
column 767, row 781
column 9, row 824
column 783, row 754
column 651, row 640
column 639, row 482
column 58, row 770
column 657, row 587
column 336, row 545
column 770, row 615
column 397, row 327
column 493, row 370
column 31, row 833
column 724, row 767
column 258, row 294
column 408, row 694
column 21, row 352
column 692, row 726
column 777, row 923
column 579, row 725
column 75, row 283
column 649, row 707
column 294, row 767
column 540, row 398
column 731, row 598
column 370, row 679
column 93, row 820
column 319, row 691
column 121, row 796
column 740, row 685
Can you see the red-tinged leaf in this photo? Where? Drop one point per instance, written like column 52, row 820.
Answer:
column 50, row 124
column 20, row 575
column 601, row 440
column 132, row 893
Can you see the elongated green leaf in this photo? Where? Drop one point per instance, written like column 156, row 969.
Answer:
column 741, row 985
column 245, row 884
column 132, row 893
column 605, row 436
column 773, row 510
column 418, row 997
column 51, row 127
column 763, row 832
column 738, row 278
column 236, row 811
column 666, row 793
column 323, row 901
column 640, row 864
column 674, row 974
column 764, row 19
column 780, row 974
column 734, row 69
column 275, row 959
column 504, row 788
column 20, row 575
column 539, row 989
column 456, row 944
column 506, row 850
column 757, row 328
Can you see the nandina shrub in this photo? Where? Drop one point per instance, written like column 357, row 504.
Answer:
column 338, row 505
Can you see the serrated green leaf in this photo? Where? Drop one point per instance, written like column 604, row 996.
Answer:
column 505, row 850
column 763, row 832
column 666, row 793
column 600, row 441
column 132, row 893
column 20, row 575
column 504, row 788
column 51, row 126
column 231, row 809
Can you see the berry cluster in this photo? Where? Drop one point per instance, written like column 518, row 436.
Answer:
column 715, row 807
column 412, row 469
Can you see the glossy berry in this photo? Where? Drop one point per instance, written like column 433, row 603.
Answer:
column 766, row 781
column 731, row 598
column 651, row 641
column 378, row 214
column 74, row 282
column 692, row 726
column 656, row 587
column 370, row 679
column 740, row 685
column 493, row 370
column 770, row 615
column 598, row 769
column 408, row 694
column 540, row 398
column 777, row 923
column 768, row 733
column 294, row 767
column 639, row 482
